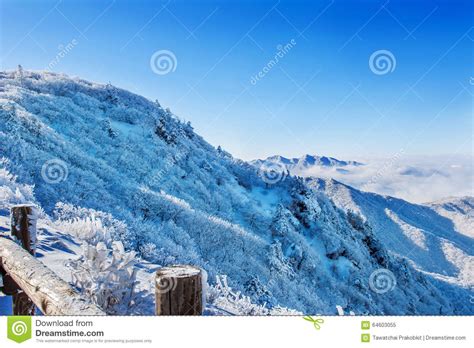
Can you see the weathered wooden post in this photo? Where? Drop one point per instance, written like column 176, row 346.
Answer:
column 23, row 229
column 178, row 290
column 23, row 226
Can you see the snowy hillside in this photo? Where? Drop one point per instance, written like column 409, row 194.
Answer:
column 437, row 238
column 111, row 168
column 460, row 211
column 61, row 251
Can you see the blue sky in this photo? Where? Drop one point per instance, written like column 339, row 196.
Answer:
column 320, row 97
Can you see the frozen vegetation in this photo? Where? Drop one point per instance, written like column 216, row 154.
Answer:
column 125, row 187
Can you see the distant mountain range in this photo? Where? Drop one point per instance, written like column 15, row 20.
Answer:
column 303, row 163
column 416, row 179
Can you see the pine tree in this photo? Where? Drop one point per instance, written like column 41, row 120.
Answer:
column 20, row 74
column 282, row 222
column 111, row 95
column 107, row 126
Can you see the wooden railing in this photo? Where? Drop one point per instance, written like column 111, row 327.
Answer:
column 28, row 280
column 178, row 289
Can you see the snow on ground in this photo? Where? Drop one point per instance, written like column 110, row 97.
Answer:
column 61, row 243
column 57, row 249
column 463, row 261
column 416, row 235
column 433, row 242
column 459, row 210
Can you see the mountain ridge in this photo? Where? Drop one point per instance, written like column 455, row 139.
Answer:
column 304, row 161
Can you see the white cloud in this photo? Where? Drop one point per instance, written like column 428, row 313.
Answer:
column 413, row 178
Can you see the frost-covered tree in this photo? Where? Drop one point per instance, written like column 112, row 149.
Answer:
column 107, row 126
column 283, row 222
column 20, row 74
column 92, row 226
column 166, row 131
column 188, row 130
column 278, row 262
column 224, row 301
column 356, row 221
column 111, row 94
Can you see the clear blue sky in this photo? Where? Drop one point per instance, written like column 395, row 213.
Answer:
column 321, row 97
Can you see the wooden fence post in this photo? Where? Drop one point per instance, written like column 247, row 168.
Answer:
column 23, row 229
column 178, row 290
column 23, row 226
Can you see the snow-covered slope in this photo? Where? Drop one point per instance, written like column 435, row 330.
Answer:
column 169, row 195
column 58, row 249
column 437, row 238
column 460, row 210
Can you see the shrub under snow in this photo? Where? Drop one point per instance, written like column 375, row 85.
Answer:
column 105, row 272
column 107, row 276
column 225, row 300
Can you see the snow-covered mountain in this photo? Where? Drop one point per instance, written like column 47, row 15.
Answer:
column 303, row 163
column 460, row 210
column 436, row 238
column 104, row 162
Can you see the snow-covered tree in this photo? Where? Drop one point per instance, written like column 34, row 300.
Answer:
column 283, row 222
column 107, row 126
column 20, row 74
